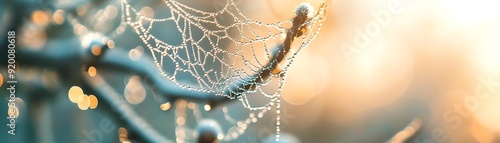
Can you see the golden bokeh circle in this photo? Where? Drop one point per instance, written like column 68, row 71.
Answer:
column 92, row 71
column 96, row 50
column 83, row 102
column 93, row 102
column 74, row 92
column 165, row 106
column 135, row 92
column 111, row 44
column 1, row 80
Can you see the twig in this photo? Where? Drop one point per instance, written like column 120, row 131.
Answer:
column 407, row 132
column 299, row 24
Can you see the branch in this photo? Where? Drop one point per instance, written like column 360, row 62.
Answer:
column 117, row 60
column 407, row 132
column 298, row 28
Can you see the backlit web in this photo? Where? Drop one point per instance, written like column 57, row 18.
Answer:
column 222, row 51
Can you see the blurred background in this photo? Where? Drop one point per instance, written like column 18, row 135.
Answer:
column 380, row 70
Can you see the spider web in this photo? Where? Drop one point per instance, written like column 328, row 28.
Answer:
column 221, row 51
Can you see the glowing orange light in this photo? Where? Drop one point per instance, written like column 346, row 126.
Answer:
column 74, row 92
column 92, row 71
column 165, row 106
column 96, row 50
column 1, row 80
column 83, row 102
column 93, row 101
column 40, row 18
column 181, row 121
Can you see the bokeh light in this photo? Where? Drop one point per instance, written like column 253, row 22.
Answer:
column 74, row 93
column 295, row 95
column 191, row 105
column 96, row 50
column 40, row 18
column 92, row 71
column 134, row 90
column 80, row 29
column 82, row 9
column 180, row 121
column 181, row 104
column 147, row 12
column 207, row 107
column 165, row 106
column 111, row 44
column 13, row 111
column 136, row 53
column 111, row 11
column 1, row 79
column 93, row 101
column 123, row 135
column 83, row 102
column 58, row 17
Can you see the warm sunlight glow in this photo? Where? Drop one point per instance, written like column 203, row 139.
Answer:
column 481, row 133
column 488, row 111
column 467, row 13
column 488, row 53
column 299, row 89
